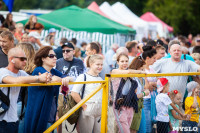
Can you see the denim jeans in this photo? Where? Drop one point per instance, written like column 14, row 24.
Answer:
column 190, row 124
column 9, row 127
column 142, row 128
column 147, row 112
column 21, row 122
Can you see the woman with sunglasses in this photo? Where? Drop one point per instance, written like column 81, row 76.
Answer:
column 42, row 100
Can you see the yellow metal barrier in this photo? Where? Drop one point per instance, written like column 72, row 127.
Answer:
column 105, row 86
column 57, row 123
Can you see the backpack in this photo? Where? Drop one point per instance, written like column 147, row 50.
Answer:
column 4, row 101
column 129, row 100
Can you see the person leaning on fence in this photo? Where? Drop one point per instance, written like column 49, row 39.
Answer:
column 149, row 56
column 14, row 74
column 23, row 95
column 192, row 107
column 162, row 101
column 125, row 98
column 90, row 116
column 176, row 65
column 42, row 100
column 138, row 122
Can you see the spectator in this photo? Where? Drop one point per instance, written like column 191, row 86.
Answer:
column 109, row 55
column 6, row 43
column 186, row 57
column 161, row 43
column 162, row 103
column 2, row 19
column 33, row 37
column 151, row 43
column 176, row 64
column 13, row 74
column 52, row 32
column 30, row 25
column 69, row 65
column 132, row 50
column 9, row 21
column 196, row 49
column 42, row 100
column 192, row 103
column 58, row 50
column 25, row 38
column 160, row 50
column 77, row 53
column 93, row 48
column 125, row 104
column 83, row 48
column 196, row 57
column 38, row 29
column 90, row 115
column 23, row 95
column 18, row 33
column 74, row 41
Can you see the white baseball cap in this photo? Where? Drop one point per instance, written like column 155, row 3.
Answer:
column 34, row 34
column 190, row 86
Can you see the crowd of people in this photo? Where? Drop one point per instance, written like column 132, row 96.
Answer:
column 139, row 104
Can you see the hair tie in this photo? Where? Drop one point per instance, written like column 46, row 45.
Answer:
column 175, row 91
column 168, row 93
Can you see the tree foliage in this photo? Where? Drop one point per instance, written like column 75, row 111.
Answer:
column 183, row 15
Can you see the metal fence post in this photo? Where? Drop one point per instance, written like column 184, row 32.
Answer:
column 104, row 106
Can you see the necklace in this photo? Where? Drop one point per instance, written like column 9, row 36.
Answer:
column 92, row 75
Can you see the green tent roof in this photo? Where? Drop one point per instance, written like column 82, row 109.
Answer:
column 78, row 19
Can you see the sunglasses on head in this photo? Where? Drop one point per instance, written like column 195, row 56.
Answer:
column 21, row 58
column 67, row 51
column 51, row 55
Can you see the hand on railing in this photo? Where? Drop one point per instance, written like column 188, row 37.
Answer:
column 65, row 81
column 44, row 78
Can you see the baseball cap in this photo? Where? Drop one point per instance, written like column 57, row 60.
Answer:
column 68, row 44
column 160, row 84
column 160, row 42
column 190, row 86
column 34, row 34
column 52, row 30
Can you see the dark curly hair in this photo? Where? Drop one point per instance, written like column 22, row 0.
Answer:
column 42, row 53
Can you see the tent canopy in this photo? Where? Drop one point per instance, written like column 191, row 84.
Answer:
column 95, row 8
column 150, row 17
column 78, row 19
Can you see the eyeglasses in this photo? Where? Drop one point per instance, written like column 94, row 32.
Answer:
column 67, row 51
column 51, row 56
column 21, row 58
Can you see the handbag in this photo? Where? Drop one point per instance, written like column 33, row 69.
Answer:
column 69, row 103
column 4, row 101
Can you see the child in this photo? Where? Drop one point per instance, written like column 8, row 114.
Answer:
column 162, row 101
column 192, row 103
column 176, row 97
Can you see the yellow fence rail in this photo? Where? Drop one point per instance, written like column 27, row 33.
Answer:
column 105, row 86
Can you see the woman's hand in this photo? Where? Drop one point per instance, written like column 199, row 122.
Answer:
column 65, row 81
column 45, row 77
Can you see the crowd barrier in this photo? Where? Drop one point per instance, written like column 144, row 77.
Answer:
column 105, row 98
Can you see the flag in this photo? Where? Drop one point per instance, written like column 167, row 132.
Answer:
column 9, row 4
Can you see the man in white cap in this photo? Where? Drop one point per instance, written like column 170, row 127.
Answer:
column 33, row 36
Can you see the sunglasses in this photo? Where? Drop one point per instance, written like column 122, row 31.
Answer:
column 67, row 51
column 51, row 56
column 21, row 58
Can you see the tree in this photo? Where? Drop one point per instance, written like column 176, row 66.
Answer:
column 182, row 15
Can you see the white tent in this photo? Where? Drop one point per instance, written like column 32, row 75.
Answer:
column 142, row 27
column 106, row 9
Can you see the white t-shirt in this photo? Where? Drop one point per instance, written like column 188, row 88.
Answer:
column 11, row 114
column 88, row 87
column 162, row 101
column 168, row 66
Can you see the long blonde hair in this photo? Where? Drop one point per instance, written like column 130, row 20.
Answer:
column 30, row 22
column 30, row 54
